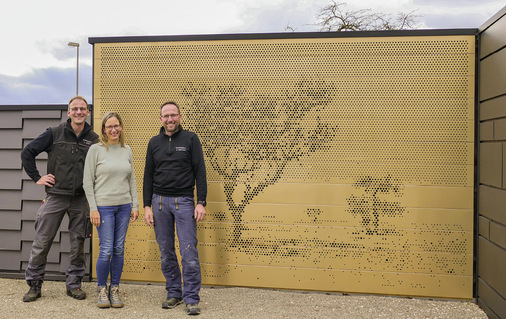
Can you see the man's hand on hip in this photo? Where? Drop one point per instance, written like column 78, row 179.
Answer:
column 47, row 180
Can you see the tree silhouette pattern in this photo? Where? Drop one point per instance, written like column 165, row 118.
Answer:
column 250, row 138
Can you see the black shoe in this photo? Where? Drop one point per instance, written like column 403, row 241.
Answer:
column 193, row 309
column 171, row 302
column 76, row 293
column 34, row 292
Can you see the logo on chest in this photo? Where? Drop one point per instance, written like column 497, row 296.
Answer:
column 180, row 149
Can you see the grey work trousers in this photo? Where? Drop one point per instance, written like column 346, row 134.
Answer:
column 47, row 223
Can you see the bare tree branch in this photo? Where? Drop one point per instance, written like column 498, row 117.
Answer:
column 337, row 17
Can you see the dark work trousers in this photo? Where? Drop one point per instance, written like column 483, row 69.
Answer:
column 47, row 223
column 170, row 214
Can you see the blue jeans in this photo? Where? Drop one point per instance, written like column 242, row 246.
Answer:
column 114, row 221
column 167, row 213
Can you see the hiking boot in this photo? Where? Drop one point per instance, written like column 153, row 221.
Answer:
column 76, row 293
column 103, row 297
column 171, row 302
column 34, row 292
column 193, row 309
column 114, row 297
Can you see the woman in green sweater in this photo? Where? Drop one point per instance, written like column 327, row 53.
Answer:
column 109, row 184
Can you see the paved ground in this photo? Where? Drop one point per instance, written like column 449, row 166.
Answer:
column 144, row 301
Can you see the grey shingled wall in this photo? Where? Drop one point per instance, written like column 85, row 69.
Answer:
column 20, row 197
column 491, row 267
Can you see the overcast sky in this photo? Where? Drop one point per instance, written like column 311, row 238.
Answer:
column 37, row 66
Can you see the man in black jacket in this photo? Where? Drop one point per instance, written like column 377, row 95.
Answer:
column 66, row 146
column 174, row 165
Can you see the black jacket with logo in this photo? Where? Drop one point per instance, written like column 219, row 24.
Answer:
column 66, row 155
column 174, row 165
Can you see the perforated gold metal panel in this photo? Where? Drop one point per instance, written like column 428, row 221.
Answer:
column 334, row 164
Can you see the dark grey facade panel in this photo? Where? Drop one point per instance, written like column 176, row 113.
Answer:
column 500, row 129
column 10, row 179
column 9, row 260
column 492, row 259
column 491, row 203
column 490, row 299
column 487, row 131
column 494, row 39
column 10, row 220
column 10, row 199
column 484, row 227
column 29, row 210
column 34, row 127
column 493, row 76
column 493, row 108
column 26, row 248
column 10, row 240
column 32, row 191
column 498, row 234
column 11, row 139
column 49, row 114
column 28, row 230
column 10, row 159
column 11, row 119
column 491, row 163
column 491, row 247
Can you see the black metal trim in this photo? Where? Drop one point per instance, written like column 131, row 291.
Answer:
column 31, row 107
column 41, row 107
column 476, row 184
column 283, row 35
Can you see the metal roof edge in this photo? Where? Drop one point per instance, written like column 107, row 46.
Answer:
column 283, row 35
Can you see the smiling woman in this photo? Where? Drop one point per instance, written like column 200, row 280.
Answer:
column 109, row 183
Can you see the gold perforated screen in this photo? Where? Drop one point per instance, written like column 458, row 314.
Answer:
column 333, row 164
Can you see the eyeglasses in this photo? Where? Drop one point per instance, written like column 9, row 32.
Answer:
column 168, row 116
column 75, row 109
column 115, row 127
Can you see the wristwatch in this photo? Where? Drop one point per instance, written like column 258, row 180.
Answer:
column 202, row 202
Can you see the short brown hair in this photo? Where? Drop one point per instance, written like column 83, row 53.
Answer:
column 170, row 103
column 78, row 97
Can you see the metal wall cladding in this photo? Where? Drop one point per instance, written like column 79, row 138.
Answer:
column 333, row 164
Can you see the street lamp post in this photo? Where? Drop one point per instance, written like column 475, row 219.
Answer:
column 76, row 45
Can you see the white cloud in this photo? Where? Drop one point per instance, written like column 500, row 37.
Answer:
column 35, row 33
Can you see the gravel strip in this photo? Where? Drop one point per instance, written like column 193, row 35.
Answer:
column 144, row 301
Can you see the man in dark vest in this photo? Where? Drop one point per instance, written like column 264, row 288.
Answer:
column 66, row 146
